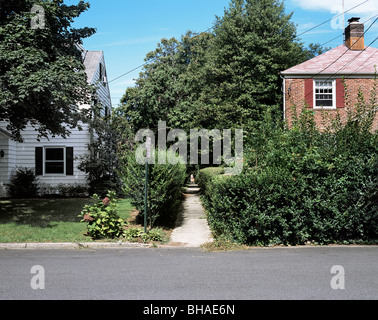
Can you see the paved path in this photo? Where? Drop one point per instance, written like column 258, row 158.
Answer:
column 192, row 228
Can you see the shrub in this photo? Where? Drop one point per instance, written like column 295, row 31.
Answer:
column 164, row 188
column 156, row 234
column 102, row 218
column 132, row 234
column 300, row 185
column 205, row 175
column 23, row 183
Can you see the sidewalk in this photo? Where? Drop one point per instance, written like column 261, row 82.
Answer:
column 192, row 228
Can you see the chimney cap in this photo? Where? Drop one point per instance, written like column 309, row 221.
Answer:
column 354, row 19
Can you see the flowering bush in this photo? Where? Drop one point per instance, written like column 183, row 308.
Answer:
column 102, row 217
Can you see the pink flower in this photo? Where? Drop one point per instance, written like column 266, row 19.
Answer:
column 88, row 218
column 106, row 201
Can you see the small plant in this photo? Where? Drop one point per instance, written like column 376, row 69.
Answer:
column 156, row 234
column 132, row 234
column 102, row 217
column 23, row 183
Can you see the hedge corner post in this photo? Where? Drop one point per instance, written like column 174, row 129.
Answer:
column 148, row 156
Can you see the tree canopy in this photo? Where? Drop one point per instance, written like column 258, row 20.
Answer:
column 225, row 78
column 42, row 75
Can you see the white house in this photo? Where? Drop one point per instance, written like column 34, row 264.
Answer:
column 54, row 159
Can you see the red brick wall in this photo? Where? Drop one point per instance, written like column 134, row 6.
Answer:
column 295, row 97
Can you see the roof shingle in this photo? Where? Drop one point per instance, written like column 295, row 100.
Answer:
column 339, row 61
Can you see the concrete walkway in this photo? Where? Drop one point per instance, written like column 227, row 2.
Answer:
column 192, row 228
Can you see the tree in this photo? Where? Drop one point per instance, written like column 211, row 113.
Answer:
column 221, row 79
column 42, row 75
column 254, row 41
column 112, row 137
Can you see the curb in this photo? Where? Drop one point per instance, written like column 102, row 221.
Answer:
column 77, row 245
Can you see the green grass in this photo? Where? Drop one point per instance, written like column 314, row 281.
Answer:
column 47, row 220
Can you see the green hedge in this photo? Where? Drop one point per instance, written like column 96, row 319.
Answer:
column 275, row 206
column 299, row 185
column 164, row 188
column 206, row 175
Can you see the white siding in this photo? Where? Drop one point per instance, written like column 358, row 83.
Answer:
column 79, row 140
column 23, row 154
column 7, row 162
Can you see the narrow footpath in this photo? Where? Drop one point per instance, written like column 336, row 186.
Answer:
column 192, row 228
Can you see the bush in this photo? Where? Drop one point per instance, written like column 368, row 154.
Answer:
column 300, row 185
column 23, row 183
column 102, row 218
column 67, row 190
column 206, row 175
column 164, row 188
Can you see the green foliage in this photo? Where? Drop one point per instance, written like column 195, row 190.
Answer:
column 164, row 187
column 156, row 234
column 23, row 183
column 206, row 175
column 132, row 234
column 102, row 218
column 219, row 79
column 301, row 185
column 135, row 234
column 102, row 163
column 42, row 76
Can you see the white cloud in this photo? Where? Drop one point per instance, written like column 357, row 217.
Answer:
column 370, row 6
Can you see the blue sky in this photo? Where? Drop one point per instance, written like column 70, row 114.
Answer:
column 128, row 29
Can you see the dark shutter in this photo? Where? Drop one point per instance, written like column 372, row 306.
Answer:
column 39, row 161
column 340, row 93
column 309, row 92
column 69, row 161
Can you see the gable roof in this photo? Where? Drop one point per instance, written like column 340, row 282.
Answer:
column 339, row 61
column 91, row 62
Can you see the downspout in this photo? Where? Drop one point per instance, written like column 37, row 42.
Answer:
column 284, row 96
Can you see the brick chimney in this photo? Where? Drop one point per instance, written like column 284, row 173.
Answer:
column 354, row 34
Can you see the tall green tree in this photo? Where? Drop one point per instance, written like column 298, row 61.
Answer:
column 220, row 79
column 254, row 41
column 42, row 75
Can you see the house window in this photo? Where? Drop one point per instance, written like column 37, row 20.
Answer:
column 325, row 94
column 54, row 160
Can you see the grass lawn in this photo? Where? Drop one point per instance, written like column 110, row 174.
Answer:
column 47, row 220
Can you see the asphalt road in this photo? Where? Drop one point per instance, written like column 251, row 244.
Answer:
column 190, row 274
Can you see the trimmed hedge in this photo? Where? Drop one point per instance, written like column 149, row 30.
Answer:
column 164, row 188
column 275, row 206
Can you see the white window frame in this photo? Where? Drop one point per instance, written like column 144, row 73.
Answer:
column 64, row 161
column 333, row 94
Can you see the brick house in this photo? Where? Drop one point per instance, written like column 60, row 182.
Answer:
column 319, row 82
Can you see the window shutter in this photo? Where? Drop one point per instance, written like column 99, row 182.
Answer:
column 69, row 161
column 309, row 92
column 340, row 93
column 39, row 161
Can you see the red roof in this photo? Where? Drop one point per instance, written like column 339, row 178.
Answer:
column 339, row 61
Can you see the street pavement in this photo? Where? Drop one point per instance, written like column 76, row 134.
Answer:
column 117, row 273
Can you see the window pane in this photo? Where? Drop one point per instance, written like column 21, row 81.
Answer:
column 54, row 154
column 324, row 103
column 54, row 167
